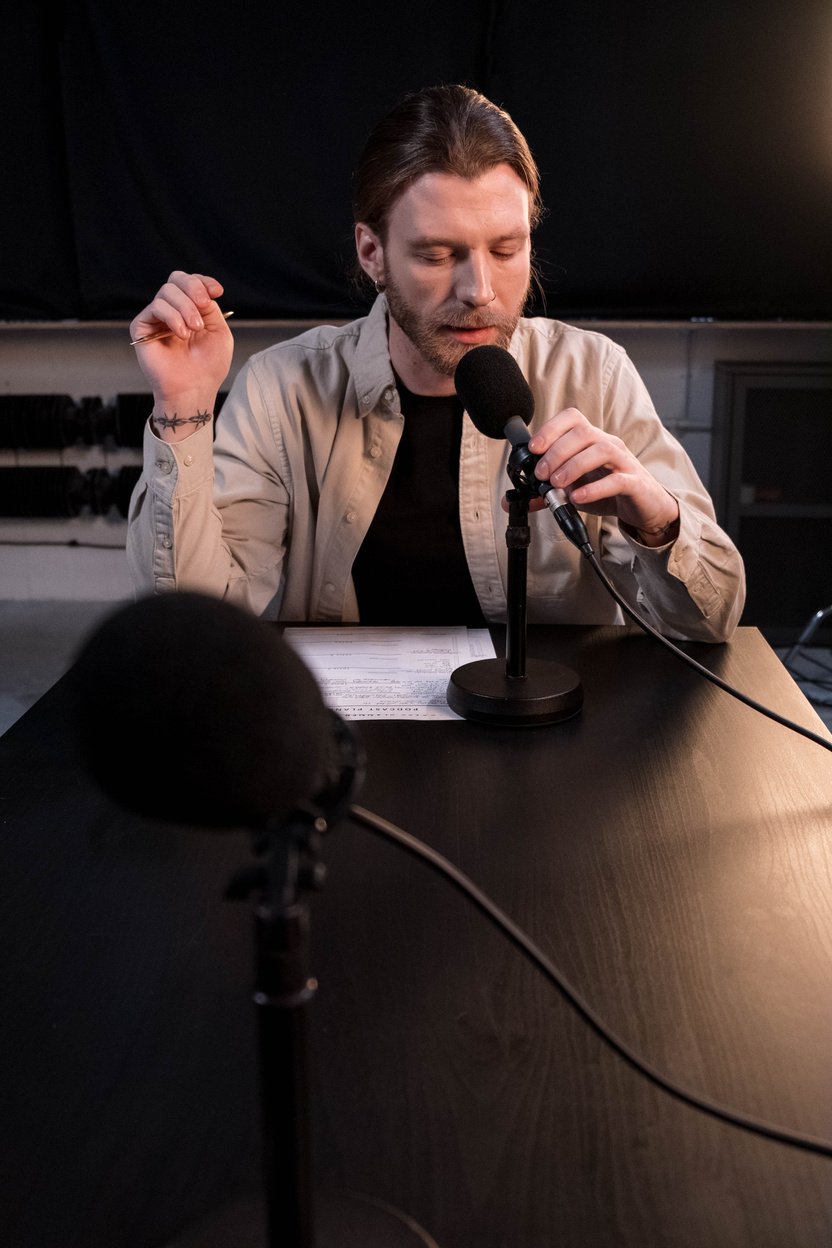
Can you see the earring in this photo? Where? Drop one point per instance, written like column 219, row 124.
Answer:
column 379, row 285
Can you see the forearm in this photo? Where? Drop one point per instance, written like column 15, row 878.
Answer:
column 174, row 534
column 211, row 517
column 693, row 587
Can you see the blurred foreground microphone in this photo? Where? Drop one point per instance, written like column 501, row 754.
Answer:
column 191, row 710
column 498, row 399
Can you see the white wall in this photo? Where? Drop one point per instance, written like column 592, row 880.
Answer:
column 675, row 359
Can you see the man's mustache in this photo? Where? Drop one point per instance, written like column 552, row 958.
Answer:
column 463, row 321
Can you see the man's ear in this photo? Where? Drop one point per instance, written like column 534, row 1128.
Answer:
column 370, row 251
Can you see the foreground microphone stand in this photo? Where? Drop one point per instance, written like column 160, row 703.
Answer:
column 283, row 988
column 293, row 1213
column 520, row 693
column 289, row 865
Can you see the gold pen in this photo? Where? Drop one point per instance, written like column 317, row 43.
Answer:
column 168, row 333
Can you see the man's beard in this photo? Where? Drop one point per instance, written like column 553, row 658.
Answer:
column 441, row 351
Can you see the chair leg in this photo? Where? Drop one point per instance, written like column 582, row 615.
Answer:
column 808, row 632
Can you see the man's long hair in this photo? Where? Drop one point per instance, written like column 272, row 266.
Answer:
column 442, row 129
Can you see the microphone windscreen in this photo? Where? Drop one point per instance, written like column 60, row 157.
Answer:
column 191, row 710
column 492, row 389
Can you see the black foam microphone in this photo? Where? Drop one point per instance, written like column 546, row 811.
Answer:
column 498, row 399
column 518, row 693
column 191, row 710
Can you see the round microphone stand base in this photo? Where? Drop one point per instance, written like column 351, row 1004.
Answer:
column 484, row 693
column 342, row 1220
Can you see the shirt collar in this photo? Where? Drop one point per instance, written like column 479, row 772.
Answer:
column 375, row 383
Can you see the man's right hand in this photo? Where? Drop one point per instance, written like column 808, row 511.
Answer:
column 186, row 369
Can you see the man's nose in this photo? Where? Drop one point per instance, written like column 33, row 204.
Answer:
column 474, row 282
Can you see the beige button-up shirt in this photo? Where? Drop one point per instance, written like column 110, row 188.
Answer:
column 272, row 514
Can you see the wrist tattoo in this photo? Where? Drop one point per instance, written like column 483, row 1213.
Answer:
column 662, row 530
column 176, row 422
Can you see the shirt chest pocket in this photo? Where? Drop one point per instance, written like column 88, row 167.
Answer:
column 553, row 562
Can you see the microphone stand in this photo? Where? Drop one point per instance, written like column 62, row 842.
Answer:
column 518, row 538
column 520, row 693
column 293, row 1213
column 283, row 989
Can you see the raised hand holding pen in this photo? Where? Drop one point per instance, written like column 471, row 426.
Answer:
column 186, row 354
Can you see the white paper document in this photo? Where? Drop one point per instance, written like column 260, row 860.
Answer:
column 388, row 673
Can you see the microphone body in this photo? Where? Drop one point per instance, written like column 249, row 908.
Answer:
column 238, row 735
column 499, row 401
column 518, row 694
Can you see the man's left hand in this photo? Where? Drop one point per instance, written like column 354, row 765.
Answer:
column 601, row 477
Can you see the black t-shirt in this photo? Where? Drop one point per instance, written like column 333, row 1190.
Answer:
column 411, row 568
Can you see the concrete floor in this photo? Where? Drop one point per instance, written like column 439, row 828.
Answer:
column 811, row 667
column 39, row 640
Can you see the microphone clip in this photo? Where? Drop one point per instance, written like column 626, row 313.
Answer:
column 290, row 863
column 520, row 468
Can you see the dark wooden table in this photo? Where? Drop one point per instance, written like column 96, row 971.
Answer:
column 670, row 849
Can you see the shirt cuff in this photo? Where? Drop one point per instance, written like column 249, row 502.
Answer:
column 178, row 467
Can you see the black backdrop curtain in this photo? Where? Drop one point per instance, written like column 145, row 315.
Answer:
column 686, row 148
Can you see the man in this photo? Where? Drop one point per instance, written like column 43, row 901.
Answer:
column 349, row 484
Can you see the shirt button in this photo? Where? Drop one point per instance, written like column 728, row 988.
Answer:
column 167, row 542
column 164, row 465
column 388, row 394
column 365, row 402
column 329, row 587
column 349, row 517
column 189, row 459
column 375, row 451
